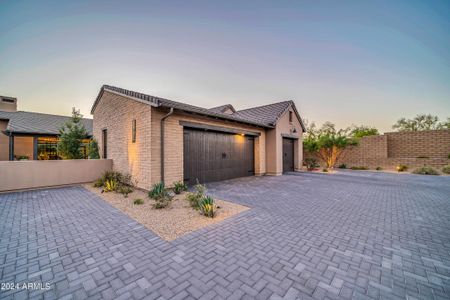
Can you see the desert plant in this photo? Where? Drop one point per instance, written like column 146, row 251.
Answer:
column 311, row 163
column 179, row 187
column 378, row 168
column 98, row 183
column 138, row 201
column 446, row 169
column 158, row 191
column 360, row 168
column 110, row 175
column 426, row 171
column 195, row 198
column 110, row 185
column 124, row 190
column 162, row 202
column 342, row 166
column 402, row 168
column 206, row 206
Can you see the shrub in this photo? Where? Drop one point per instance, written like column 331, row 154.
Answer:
column 311, row 163
column 195, row 198
column 162, row 202
column 359, row 168
column 179, row 187
column 402, row 168
column 125, row 190
column 110, row 185
column 158, row 191
column 111, row 175
column 138, row 201
column 426, row 171
column 206, row 206
column 378, row 168
column 446, row 169
column 342, row 166
column 98, row 183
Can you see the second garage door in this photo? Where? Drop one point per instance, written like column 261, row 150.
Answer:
column 214, row 156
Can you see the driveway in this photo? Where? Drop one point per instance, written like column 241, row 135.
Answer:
column 354, row 235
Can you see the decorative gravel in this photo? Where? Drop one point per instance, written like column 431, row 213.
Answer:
column 171, row 222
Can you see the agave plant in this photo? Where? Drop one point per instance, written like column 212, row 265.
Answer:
column 179, row 187
column 206, row 206
column 158, row 191
column 110, row 185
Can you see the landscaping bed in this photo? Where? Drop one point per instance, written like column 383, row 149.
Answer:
column 178, row 219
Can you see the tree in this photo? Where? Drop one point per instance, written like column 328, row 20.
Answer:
column 327, row 142
column 420, row 123
column 93, row 150
column 71, row 137
column 362, row 131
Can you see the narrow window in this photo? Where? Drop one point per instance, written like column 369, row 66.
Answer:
column 290, row 116
column 105, row 142
column 133, row 132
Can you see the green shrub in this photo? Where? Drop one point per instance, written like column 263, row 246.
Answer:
column 158, row 191
column 125, row 190
column 162, row 202
column 110, row 186
column 195, row 198
column 311, row 163
column 98, row 183
column 138, row 201
column 446, row 169
column 359, row 168
column 426, row 171
column 206, row 206
column 378, row 168
column 342, row 166
column 402, row 168
column 179, row 187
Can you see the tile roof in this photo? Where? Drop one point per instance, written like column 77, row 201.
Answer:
column 223, row 108
column 37, row 123
column 264, row 116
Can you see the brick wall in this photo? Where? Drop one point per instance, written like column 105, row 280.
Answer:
column 414, row 149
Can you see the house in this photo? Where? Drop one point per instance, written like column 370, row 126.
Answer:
column 156, row 139
column 31, row 135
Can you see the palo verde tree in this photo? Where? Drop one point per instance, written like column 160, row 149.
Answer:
column 71, row 137
column 327, row 143
column 420, row 123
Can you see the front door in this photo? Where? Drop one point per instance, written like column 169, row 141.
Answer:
column 288, row 155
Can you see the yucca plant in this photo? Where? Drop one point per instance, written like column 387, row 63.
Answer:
column 206, row 206
column 179, row 187
column 158, row 191
column 110, row 185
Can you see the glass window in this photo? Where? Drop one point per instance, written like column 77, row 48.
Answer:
column 290, row 116
column 47, row 148
column 133, row 132
column 105, row 142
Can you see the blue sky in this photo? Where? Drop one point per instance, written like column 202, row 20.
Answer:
column 349, row 62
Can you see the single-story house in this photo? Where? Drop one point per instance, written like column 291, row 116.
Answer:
column 156, row 139
column 31, row 135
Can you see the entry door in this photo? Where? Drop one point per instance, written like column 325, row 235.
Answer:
column 214, row 156
column 288, row 155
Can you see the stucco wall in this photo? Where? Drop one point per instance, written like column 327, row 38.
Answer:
column 116, row 114
column 15, row 175
column 4, row 141
column 174, row 144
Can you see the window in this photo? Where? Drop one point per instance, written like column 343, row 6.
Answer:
column 8, row 100
column 290, row 116
column 133, row 132
column 105, row 142
column 47, row 148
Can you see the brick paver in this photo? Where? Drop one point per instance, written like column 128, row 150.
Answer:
column 356, row 235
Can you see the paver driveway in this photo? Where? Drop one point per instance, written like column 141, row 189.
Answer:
column 308, row 236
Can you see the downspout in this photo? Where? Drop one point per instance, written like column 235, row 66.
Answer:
column 162, row 142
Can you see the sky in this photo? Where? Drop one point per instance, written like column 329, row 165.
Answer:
column 348, row 62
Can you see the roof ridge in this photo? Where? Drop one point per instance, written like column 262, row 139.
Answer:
column 265, row 105
column 41, row 113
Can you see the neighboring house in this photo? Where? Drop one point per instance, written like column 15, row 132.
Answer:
column 156, row 139
column 30, row 135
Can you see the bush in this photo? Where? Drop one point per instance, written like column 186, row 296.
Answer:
column 179, row 187
column 138, row 201
column 206, row 206
column 446, row 169
column 361, row 168
column 115, row 181
column 110, row 186
column 125, row 190
column 158, row 191
column 162, row 202
column 426, row 171
column 402, row 168
column 195, row 198
column 98, row 183
column 311, row 163
column 342, row 166
column 378, row 168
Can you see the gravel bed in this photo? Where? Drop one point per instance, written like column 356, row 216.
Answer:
column 169, row 223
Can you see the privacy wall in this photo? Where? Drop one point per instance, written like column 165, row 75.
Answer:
column 414, row 149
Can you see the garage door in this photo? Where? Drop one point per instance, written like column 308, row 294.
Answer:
column 214, row 156
column 288, row 155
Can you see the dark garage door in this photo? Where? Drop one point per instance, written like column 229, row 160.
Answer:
column 214, row 156
column 288, row 155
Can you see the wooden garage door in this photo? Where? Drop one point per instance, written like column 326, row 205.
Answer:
column 214, row 156
column 288, row 155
